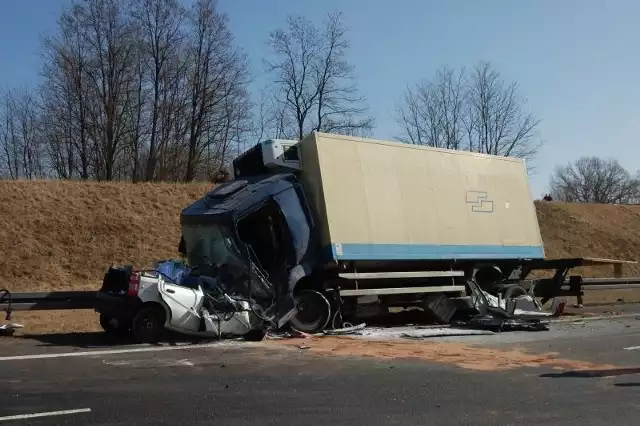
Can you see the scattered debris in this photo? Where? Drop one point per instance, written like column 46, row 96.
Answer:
column 9, row 329
column 465, row 356
column 356, row 329
column 445, row 332
column 304, row 346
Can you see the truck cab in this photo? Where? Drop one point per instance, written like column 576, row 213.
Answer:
column 254, row 229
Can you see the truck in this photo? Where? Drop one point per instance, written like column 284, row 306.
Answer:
column 316, row 233
column 343, row 227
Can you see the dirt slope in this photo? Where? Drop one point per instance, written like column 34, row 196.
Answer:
column 591, row 230
column 56, row 235
column 63, row 235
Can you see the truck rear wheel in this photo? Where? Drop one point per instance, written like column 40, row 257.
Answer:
column 148, row 324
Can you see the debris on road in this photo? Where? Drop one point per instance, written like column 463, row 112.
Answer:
column 9, row 329
column 356, row 329
column 469, row 357
column 445, row 332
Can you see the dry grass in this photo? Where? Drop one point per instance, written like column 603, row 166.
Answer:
column 591, row 230
column 64, row 235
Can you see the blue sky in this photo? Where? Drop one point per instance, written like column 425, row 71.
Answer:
column 576, row 61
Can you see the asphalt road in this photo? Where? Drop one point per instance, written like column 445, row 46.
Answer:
column 239, row 383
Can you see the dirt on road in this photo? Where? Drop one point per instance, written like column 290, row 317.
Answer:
column 470, row 357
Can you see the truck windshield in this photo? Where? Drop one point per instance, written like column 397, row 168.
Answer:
column 215, row 252
column 211, row 246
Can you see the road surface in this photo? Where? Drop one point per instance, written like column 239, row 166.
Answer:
column 579, row 372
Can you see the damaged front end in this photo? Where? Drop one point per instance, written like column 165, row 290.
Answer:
column 248, row 237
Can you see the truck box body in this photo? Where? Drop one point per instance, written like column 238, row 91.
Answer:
column 376, row 200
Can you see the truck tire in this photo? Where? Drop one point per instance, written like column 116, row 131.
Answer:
column 148, row 324
column 114, row 325
column 314, row 312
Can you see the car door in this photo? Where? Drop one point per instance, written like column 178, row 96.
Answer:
column 184, row 304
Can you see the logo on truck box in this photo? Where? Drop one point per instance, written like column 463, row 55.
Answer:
column 479, row 201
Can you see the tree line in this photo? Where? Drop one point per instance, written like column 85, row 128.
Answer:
column 148, row 90
column 595, row 180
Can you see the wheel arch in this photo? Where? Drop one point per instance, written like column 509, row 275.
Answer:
column 159, row 305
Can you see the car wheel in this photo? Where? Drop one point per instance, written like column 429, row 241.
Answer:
column 114, row 325
column 148, row 324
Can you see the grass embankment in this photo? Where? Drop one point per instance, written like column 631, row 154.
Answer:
column 64, row 235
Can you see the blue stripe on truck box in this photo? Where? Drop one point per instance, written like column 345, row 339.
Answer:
column 432, row 252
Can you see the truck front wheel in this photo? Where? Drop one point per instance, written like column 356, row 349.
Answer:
column 314, row 312
column 148, row 324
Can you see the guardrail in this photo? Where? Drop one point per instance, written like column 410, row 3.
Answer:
column 591, row 284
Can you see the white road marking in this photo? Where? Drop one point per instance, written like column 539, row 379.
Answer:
column 49, row 414
column 153, row 362
column 632, row 348
column 111, row 352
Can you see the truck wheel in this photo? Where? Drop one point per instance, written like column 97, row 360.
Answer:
column 314, row 312
column 113, row 325
column 148, row 324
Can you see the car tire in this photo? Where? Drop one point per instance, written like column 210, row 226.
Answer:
column 148, row 324
column 114, row 325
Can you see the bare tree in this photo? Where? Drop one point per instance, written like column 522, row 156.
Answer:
column 313, row 80
column 65, row 97
column 108, row 35
column 433, row 111
column 20, row 137
column 28, row 127
column 160, row 25
column 595, row 180
column 477, row 112
column 9, row 138
column 496, row 123
column 217, row 77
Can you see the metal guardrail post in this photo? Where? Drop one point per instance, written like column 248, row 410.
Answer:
column 575, row 285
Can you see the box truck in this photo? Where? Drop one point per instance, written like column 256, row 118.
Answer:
column 317, row 232
column 339, row 226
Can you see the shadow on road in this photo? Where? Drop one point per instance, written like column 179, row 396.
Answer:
column 593, row 373
column 627, row 384
column 82, row 340
column 95, row 340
